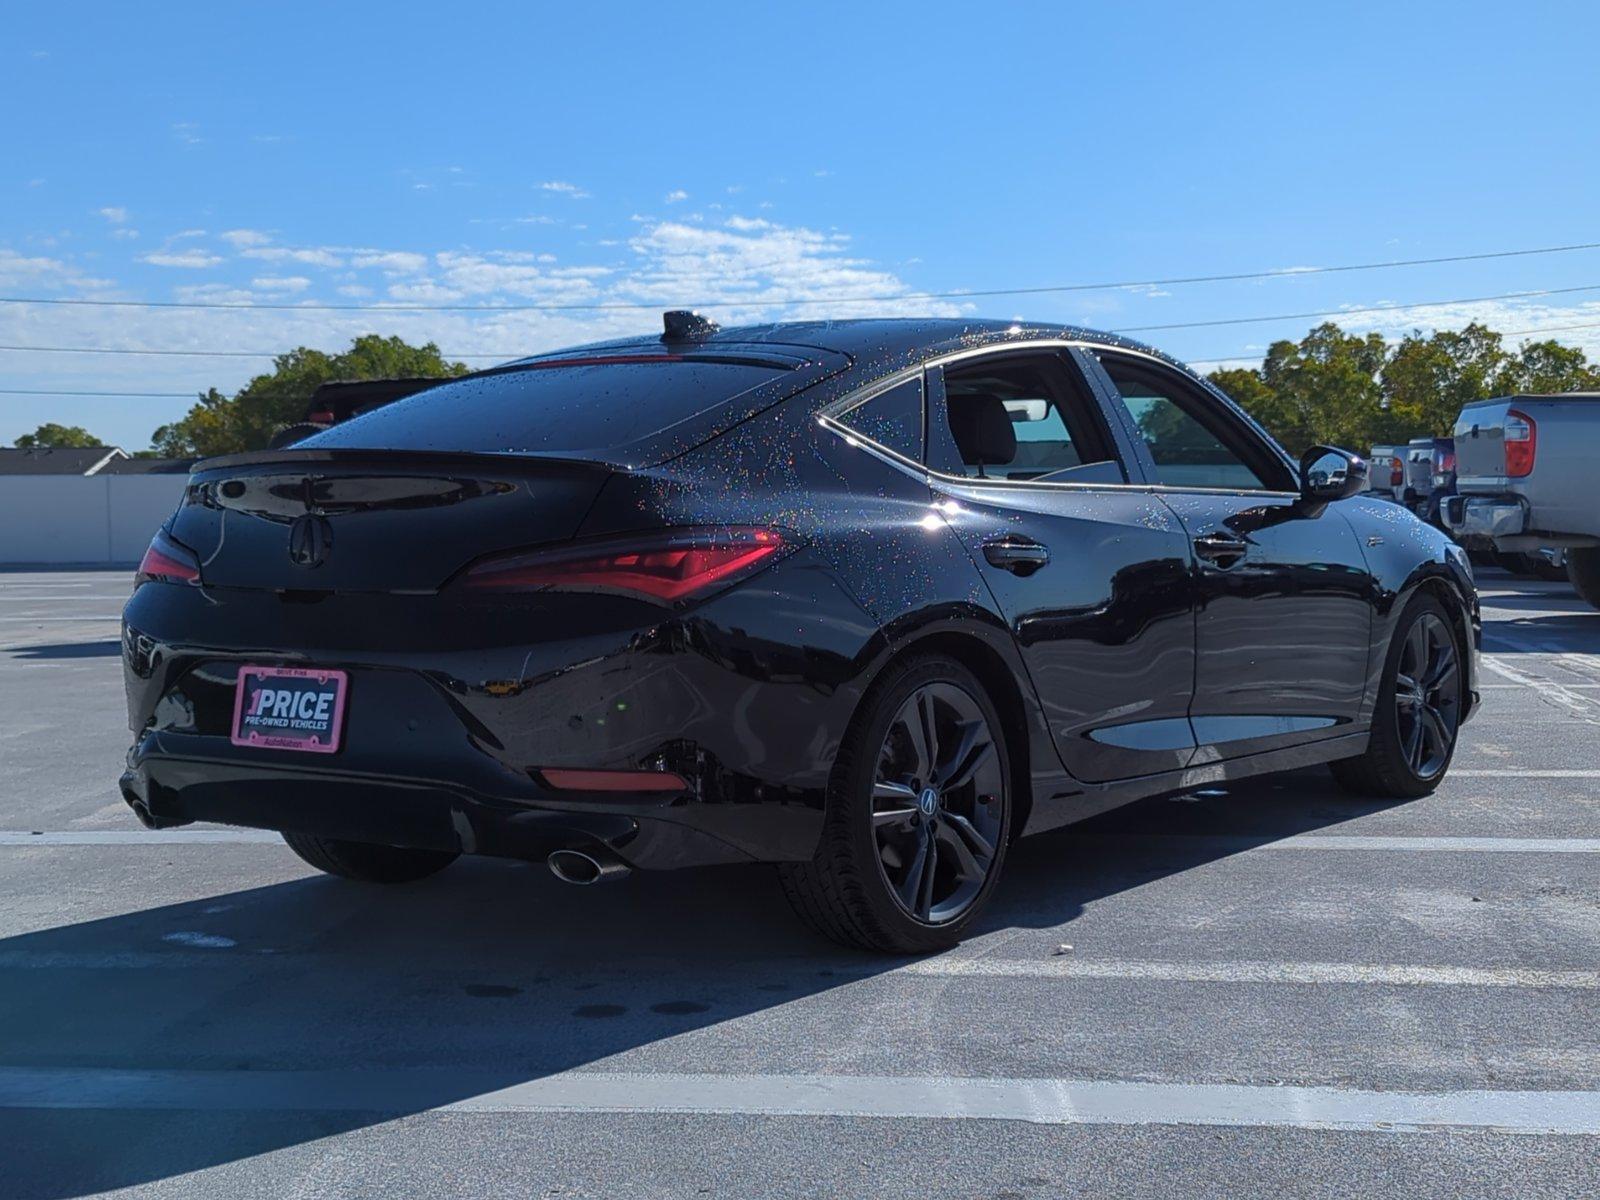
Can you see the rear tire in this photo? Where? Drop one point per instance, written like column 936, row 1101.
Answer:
column 366, row 862
column 1418, row 715
column 915, row 827
column 1583, row 568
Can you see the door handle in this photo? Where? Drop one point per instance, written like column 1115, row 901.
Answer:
column 1019, row 555
column 1221, row 550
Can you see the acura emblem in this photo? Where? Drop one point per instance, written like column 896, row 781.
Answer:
column 310, row 538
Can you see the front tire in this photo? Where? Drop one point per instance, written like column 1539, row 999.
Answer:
column 918, row 815
column 368, row 863
column 1418, row 714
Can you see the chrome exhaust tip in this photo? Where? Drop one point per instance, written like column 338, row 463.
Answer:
column 585, row 866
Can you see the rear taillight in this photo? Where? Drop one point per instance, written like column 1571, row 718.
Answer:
column 1397, row 472
column 1522, row 443
column 167, row 562
column 675, row 565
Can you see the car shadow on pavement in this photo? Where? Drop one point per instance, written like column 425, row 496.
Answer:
column 110, row 648
column 489, row 975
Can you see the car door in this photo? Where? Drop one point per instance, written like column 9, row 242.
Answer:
column 1282, row 592
column 1091, row 575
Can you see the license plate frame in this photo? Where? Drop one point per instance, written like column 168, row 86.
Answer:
column 320, row 731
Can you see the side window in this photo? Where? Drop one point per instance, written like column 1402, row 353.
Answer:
column 1188, row 450
column 893, row 419
column 1023, row 418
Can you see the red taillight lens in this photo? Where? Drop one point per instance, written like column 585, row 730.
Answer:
column 1397, row 472
column 1522, row 443
column 167, row 562
column 669, row 567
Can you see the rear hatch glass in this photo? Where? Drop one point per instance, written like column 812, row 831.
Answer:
column 633, row 410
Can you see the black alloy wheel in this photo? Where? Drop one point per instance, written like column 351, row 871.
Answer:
column 936, row 803
column 1427, row 694
column 918, row 815
column 1418, row 712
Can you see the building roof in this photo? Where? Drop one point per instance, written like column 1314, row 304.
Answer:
column 147, row 466
column 58, row 460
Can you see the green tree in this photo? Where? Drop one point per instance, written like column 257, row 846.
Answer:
column 50, row 434
column 1547, row 366
column 1356, row 391
column 1323, row 388
column 1428, row 379
column 220, row 424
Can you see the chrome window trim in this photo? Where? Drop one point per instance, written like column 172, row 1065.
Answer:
column 828, row 419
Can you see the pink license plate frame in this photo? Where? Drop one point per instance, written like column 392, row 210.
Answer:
column 312, row 735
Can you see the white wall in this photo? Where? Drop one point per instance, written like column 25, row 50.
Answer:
column 83, row 518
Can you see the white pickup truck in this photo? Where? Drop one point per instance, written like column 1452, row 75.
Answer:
column 1528, row 479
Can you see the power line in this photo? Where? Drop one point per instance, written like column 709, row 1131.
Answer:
column 1371, row 308
column 204, row 353
column 56, row 392
column 501, row 356
column 1247, row 357
column 768, row 302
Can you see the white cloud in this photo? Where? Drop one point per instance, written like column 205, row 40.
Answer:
column 117, row 216
column 773, row 270
column 562, row 187
column 1519, row 320
column 22, row 271
column 424, row 291
column 280, row 283
column 399, row 262
column 187, row 132
column 316, row 256
column 125, row 234
column 241, row 239
column 675, row 196
column 187, row 259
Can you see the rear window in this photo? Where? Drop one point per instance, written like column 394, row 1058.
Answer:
column 555, row 409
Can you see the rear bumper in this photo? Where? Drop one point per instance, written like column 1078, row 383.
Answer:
column 170, row 784
column 1486, row 517
column 455, row 709
column 1507, row 522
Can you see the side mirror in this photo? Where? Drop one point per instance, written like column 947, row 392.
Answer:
column 1328, row 473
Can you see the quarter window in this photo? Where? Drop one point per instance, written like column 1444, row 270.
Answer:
column 892, row 419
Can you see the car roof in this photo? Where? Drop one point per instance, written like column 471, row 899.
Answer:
column 872, row 343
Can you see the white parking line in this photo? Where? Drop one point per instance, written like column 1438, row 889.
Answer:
column 1388, row 974
column 1363, row 842
column 1519, row 773
column 1036, row 1101
column 138, row 837
column 1586, row 708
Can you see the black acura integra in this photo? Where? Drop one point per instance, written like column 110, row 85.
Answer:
column 862, row 599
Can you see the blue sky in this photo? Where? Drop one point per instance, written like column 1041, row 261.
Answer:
column 667, row 154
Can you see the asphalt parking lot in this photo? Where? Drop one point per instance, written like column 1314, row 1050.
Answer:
column 1277, row 989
